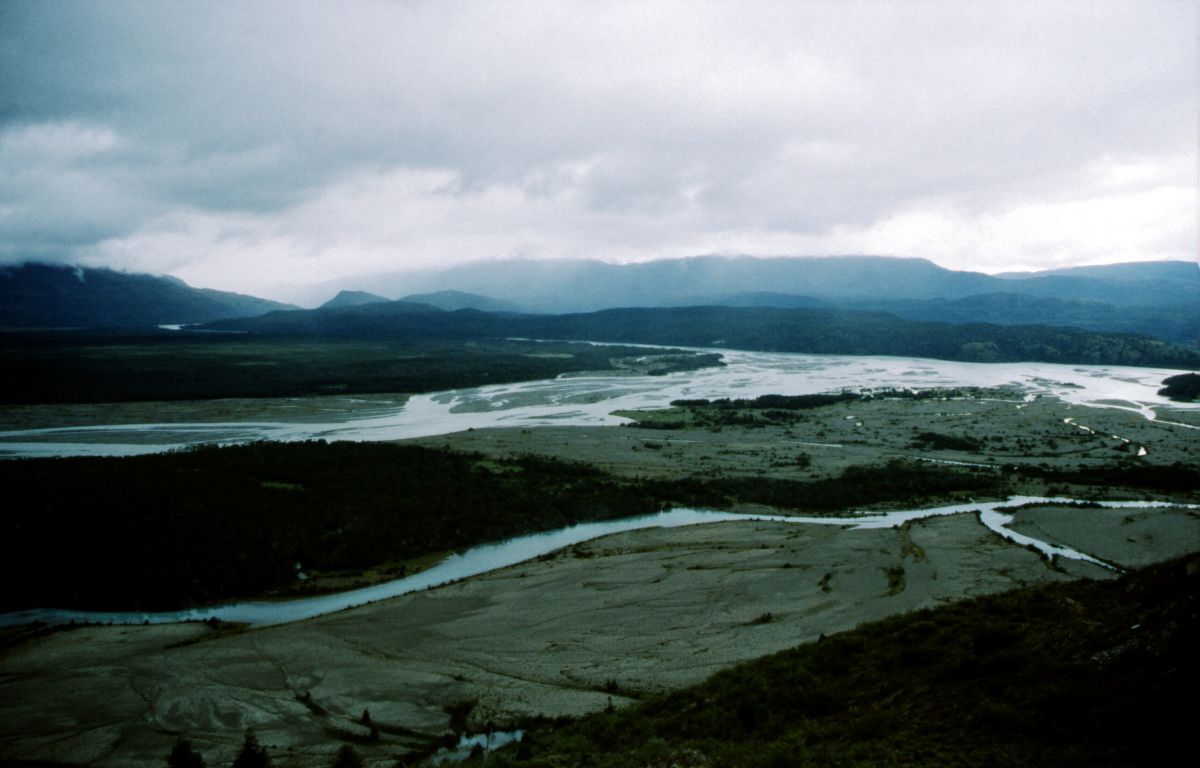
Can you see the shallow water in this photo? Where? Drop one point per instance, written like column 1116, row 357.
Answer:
column 490, row 557
column 485, row 741
column 575, row 400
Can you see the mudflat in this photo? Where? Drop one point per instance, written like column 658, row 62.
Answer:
column 611, row 619
column 563, row 635
column 998, row 429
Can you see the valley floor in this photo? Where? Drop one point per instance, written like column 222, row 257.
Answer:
column 999, row 428
column 629, row 614
column 609, row 620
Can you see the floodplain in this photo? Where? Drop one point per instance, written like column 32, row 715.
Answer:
column 609, row 623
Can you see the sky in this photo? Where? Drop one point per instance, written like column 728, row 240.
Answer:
column 265, row 146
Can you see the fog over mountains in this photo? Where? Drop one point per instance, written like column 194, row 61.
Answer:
column 51, row 296
column 1159, row 299
column 566, row 285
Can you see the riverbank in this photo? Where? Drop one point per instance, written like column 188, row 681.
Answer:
column 65, row 368
column 1072, row 675
column 611, row 619
column 624, row 616
column 294, row 518
column 985, row 429
column 587, row 400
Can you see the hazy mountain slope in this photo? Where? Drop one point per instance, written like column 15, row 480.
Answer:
column 575, row 285
column 1176, row 323
column 1125, row 293
column 40, row 295
column 563, row 285
column 353, row 299
column 1187, row 271
column 453, row 300
column 758, row 299
column 355, row 320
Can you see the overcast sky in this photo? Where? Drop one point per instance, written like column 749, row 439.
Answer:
column 260, row 146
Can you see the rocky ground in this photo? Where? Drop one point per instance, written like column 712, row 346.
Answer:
column 823, row 442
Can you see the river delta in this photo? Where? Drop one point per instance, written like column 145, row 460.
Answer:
column 584, row 624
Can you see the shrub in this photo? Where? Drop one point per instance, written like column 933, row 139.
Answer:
column 252, row 754
column 183, row 756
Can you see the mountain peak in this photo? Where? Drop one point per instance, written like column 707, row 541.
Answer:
column 36, row 295
column 353, row 299
column 452, row 300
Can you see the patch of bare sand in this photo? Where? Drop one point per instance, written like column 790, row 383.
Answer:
column 646, row 610
column 1127, row 537
column 311, row 409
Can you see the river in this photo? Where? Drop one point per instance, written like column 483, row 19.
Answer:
column 491, row 557
column 589, row 400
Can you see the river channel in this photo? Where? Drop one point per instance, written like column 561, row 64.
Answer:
column 590, row 400
column 491, row 557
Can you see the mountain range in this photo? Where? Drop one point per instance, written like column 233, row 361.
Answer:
column 350, row 298
column 567, row 285
column 48, row 296
column 1159, row 299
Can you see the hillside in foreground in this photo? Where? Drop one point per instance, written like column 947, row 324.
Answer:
column 1082, row 673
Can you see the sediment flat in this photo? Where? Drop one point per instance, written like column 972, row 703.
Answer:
column 609, row 619
column 825, row 441
column 1128, row 538
column 630, row 613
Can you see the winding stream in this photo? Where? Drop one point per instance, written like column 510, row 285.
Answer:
column 491, row 557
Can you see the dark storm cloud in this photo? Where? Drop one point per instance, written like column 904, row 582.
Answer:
column 233, row 143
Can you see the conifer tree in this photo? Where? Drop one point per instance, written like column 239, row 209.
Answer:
column 252, row 754
column 183, row 756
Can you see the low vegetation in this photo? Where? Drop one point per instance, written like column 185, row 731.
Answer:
column 1166, row 478
column 172, row 530
column 776, row 410
column 939, row 442
column 856, row 487
column 1185, row 387
column 816, row 331
column 43, row 368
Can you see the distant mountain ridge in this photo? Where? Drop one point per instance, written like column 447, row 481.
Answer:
column 1136, row 271
column 455, row 300
column 564, row 285
column 49, row 296
column 349, row 298
column 1160, row 299
column 1178, row 324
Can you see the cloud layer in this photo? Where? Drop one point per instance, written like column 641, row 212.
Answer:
column 263, row 146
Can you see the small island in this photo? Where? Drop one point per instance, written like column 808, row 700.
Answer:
column 1183, row 388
